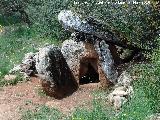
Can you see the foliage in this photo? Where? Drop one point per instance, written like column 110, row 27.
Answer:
column 8, row 7
column 150, row 79
column 137, row 22
column 9, row 20
column 12, row 8
column 43, row 13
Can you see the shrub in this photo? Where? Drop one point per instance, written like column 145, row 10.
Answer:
column 136, row 24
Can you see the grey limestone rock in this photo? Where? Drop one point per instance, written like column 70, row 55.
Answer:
column 57, row 79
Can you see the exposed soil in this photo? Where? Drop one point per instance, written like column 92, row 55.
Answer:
column 16, row 99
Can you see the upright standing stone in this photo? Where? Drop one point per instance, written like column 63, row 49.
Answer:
column 57, row 79
column 106, row 61
column 82, row 57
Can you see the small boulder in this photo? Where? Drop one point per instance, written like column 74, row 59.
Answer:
column 27, row 66
column 155, row 116
column 124, row 79
column 72, row 22
column 130, row 91
column 15, row 69
column 120, row 93
column 120, row 88
column 118, row 101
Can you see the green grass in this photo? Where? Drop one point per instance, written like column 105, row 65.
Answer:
column 138, row 108
column 18, row 79
column 42, row 113
column 98, row 112
column 41, row 93
column 15, row 43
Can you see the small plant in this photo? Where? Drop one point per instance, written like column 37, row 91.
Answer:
column 19, row 78
column 28, row 102
column 41, row 93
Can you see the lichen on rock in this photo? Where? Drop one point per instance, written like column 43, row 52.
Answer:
column 57, row 79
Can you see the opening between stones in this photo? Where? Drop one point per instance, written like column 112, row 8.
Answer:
column 88, row 71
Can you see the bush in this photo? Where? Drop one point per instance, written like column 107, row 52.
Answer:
column 43, row 15
column 135, row 23
column 40, row 14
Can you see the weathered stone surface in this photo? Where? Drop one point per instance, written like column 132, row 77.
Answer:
column 106, row 61
column 72, row 22
column 120, row 88
column 27, row 66
column 118, row 101
column 124, row 79
column 155, row 116
column 130, row 91
column 57, row 79
column 125, row 91
column 83, row 60
column 90, row 26
column 72, row 52
column 122, row 92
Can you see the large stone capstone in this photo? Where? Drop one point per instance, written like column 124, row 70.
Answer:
column 72, row 22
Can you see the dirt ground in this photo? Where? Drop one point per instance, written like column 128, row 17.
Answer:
column 16, row 99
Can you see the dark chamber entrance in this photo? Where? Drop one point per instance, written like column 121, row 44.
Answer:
column 88, row 74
